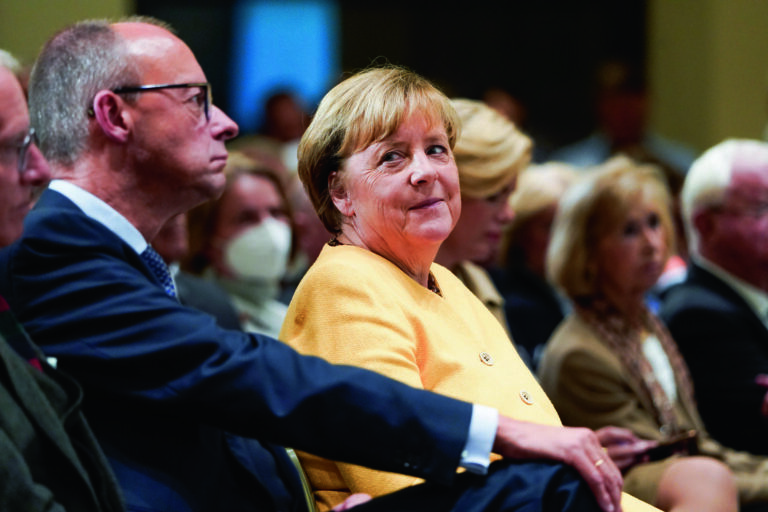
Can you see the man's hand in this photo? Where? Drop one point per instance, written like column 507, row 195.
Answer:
column 578, row 447
column 623, row 446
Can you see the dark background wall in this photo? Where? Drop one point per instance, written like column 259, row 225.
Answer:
column 544, row 52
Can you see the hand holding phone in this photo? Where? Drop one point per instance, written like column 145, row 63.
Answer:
column 681, row 443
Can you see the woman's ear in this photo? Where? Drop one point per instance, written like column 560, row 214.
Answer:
column 339, row 194
column 108, row 109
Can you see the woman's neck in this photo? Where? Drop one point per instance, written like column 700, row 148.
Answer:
column 415, row 264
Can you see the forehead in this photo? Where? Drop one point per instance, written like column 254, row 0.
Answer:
column 163, row 57
column 13, row 107
column 252, row 189
column 750, row 174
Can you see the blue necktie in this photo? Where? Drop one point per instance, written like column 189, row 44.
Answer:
column 160, row 269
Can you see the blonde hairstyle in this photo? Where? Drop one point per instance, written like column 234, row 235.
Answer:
column 539, row 187
column 359, row 111
column 491, row 150
column 203, row 218
column 710, row 176
column 592, row 207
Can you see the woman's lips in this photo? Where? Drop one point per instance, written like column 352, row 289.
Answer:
column 426, row 203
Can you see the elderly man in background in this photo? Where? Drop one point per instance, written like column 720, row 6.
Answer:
column 719, row 314
column 49, row 459
column 126, row 120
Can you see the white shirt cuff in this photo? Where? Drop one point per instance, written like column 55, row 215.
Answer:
column 476, row 456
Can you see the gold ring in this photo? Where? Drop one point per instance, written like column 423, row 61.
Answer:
column 599, row 463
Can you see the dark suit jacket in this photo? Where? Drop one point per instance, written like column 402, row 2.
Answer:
column 725, row 345
column 49, row 459
column 169, row 391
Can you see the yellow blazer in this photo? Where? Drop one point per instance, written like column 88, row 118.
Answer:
column 355, row 307
column 589, row 387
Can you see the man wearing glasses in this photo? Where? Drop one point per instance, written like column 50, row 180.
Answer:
column 49, row 459
column 124, row 115
column 719, row 315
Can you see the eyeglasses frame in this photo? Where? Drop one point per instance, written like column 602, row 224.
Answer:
column 156, row 87
column 22, row 149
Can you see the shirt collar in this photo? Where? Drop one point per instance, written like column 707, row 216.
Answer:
column 102, row 213
column 756, row 298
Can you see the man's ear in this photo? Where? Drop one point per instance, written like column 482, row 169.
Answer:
column 339, row 194
column 108, row 109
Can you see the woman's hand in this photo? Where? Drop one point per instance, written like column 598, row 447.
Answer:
column 623, row 446
column 578, row 447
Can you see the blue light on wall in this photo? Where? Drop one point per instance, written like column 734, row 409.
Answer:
column 281, row 44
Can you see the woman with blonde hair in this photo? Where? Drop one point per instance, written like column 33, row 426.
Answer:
column 612, row 362
column 489, row 155
column 377, row 160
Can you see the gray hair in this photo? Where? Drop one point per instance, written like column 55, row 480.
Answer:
column 710, row 176
column 74, row 65
column 9, row 62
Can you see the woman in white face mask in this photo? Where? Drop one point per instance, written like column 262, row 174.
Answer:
column 244, row 241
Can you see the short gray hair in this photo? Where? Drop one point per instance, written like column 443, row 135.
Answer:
column 74, row 65
column 710, row 176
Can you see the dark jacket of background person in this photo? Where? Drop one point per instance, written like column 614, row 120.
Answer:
column 719, row 334
column 50, row 458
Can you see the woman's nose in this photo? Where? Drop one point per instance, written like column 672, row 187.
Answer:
column 422, row 170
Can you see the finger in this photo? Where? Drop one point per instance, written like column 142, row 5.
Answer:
column 761, row 379
column 612, row 479
column 603, row 477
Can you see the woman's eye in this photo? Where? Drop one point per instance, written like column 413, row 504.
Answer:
column 631, row 228
column 653, row 220
column 436, row 150
column 390, row 156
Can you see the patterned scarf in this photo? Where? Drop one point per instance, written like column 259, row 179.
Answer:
column 625, row 340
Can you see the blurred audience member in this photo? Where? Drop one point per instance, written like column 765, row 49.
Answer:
column 503, row 102
column 172, row 244
column 533, row 306
column 310, row 236
column 612, row 362
column 50, row 458
column 489, row 154
column 622, row 109
column 244, row 241
column 284, row 121
column 719, row 314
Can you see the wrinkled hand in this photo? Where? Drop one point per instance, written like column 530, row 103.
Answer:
column 623, row 446
column 578, row 447
column 762, row 380
column 352, row 501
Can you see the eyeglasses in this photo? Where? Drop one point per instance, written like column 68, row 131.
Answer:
column 22, row 148
column 204, row 101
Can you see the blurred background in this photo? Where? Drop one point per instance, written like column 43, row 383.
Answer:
column 703, row 62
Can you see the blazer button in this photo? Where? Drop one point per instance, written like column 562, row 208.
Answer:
column 486, row 358
column 526, row 397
